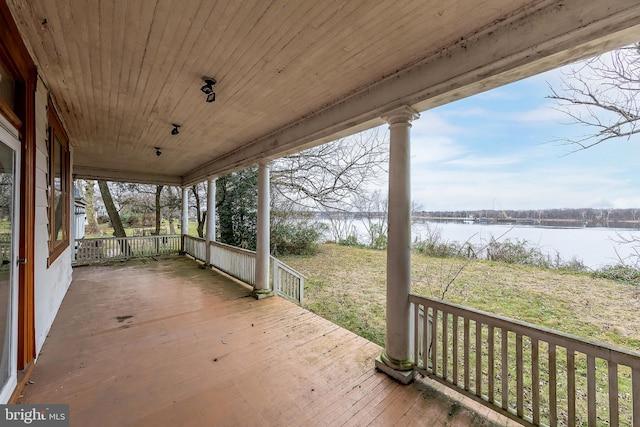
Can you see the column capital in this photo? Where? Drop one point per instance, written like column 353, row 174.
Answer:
column 404, row 114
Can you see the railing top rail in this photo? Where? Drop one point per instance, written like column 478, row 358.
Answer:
column 602, row 350
column 129, row 237
column 194, row 238
column 233, row 248
column 287, row 268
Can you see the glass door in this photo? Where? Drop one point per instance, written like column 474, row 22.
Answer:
column 9, row 229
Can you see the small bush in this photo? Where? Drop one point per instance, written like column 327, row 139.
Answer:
column 351, row 240
column 437, row 249
column 299, row 238
column 434, row 246
column 574, row 264
column 620, row 273
column 516, row 252
column 378, row 237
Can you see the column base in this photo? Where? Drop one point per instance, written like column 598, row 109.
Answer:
column 262, row 293
column 402, row 372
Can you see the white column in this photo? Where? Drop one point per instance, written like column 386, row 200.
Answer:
column 261, row 288
column 184, row 227
column 396, row 357
column 211, row 217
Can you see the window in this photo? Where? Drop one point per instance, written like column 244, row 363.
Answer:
column 59, row 183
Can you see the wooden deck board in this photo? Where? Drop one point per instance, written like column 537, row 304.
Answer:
column 196, row 351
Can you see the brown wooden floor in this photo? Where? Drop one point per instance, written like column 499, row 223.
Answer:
column 164, row 343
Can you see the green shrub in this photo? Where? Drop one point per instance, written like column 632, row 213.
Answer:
column 437, row 249
column 620, row 273
column 296, row 238
column 516, row 252
column 351, row 240
column 380, row 242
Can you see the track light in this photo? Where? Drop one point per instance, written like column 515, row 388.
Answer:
column 158, row 152
column 175, row 130
column 207, row 89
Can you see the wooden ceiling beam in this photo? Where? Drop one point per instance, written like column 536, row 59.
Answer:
column 87, row 172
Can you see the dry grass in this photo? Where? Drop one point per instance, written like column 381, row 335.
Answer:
column 348, row 286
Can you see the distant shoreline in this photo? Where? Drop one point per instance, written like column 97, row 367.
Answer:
column 545, row 222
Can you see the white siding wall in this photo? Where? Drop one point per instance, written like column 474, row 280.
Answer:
column 51, row 283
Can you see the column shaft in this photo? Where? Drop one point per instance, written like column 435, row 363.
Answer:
column 263, row 240
column 397, row 354
column 184, row 227
column 211, row 217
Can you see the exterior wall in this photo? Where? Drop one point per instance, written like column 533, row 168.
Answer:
column 51, row 282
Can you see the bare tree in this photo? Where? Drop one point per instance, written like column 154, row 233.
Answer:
column 172, row 205
column 90, row 209
column 330, row 175
column 633, row 259
column 602, row 94
column 372, row 208
column 199, row 194
column 341, row 225
column 112, row 211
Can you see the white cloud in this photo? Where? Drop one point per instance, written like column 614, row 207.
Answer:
column 433, row 123
column 485, row 162
column 545, row 113
column 434, row 150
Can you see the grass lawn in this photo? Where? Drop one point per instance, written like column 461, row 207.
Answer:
column 347, row 285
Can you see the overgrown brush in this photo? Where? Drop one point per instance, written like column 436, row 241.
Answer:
column 497, row 249
column 620, row 273
column 296, row 237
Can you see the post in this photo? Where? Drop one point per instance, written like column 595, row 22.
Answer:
column 184, row 227
column 211, row 218
column 395, row 359
column 262, row 288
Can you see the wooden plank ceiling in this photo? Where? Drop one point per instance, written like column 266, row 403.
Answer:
column 122, row 71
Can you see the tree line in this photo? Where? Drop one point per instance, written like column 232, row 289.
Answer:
column 563, row 214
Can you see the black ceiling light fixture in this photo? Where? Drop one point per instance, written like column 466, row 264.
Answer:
column 175, row 130
column 207, row 89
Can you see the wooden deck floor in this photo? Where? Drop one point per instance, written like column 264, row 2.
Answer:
column 164, row 343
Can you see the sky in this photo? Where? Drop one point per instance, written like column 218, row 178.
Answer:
column 502, row 149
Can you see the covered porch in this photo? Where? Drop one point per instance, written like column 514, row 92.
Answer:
column 116, row 93
column 161, row 342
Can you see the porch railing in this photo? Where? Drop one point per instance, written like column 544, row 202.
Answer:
column 241, row 264
column 89, row 251
column 529, row 373
column 5, row 252
column 287, row 282
column 195, row 246
column 237, row 262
